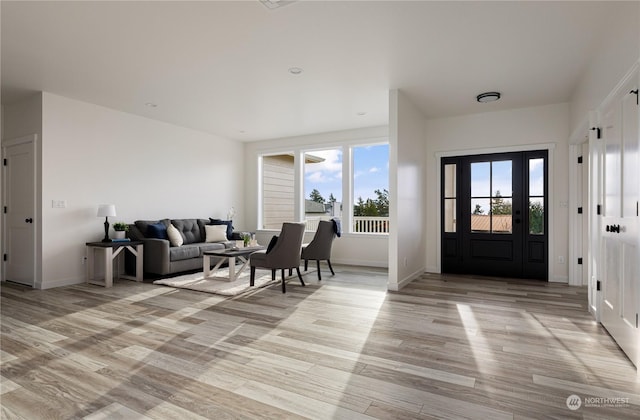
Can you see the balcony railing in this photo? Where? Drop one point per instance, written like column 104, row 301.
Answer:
column 361, row 224
column 376, row 224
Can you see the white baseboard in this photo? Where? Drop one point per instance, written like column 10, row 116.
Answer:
column 362, row 263
column 408, row 279
column 559, row 279
column 62, row 282
column 432, row 269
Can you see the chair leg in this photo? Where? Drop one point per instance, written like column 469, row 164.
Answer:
column 331, row 268
column 306, row 265
column 318, row 265
column 253, row 276
column 273, row 275
column 300, row 276
column 282, row 274
column 284, row 286
column 290, row 272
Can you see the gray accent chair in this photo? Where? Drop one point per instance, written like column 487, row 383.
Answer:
column 320, row 246
column 285, row 254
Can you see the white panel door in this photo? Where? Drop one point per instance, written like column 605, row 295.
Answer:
column 19, row 201
column 620, row 239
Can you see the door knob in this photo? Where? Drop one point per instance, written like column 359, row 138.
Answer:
column 29, row 220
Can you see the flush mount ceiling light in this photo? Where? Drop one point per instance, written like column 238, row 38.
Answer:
column 488, row 97
column 295, row 70
column 361, row 113
column 151, row 105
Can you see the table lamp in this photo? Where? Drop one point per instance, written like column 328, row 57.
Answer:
column 106, row 210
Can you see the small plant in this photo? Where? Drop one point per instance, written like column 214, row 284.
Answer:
column 246, row 237
column 121, row 226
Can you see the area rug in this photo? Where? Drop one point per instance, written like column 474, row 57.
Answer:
column 219, row 285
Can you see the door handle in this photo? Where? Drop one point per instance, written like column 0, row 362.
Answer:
column 29, row 220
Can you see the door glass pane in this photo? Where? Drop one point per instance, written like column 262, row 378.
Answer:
column 501, row 178
column 480, row 217
column 480, row 179
column 536, row 176
column 450, row 215
column 536, row 216
column 501, row 215
column 450, row 181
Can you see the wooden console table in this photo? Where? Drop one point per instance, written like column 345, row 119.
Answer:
column 110, row 250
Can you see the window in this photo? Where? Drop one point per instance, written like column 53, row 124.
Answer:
column 370, row 188
column 322, row 186
column 346, row 181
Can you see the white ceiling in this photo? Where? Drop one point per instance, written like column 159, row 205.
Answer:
column 222, row 67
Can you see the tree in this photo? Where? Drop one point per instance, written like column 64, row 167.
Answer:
column 499, row 206
column 316, row 196
column 382, row 203
column 536, row 218
column 332, row 199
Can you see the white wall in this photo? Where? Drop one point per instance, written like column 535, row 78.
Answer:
column 502, row 131
column 148, row 169
column 353, row 249
column 407, row 164
column 613, row 55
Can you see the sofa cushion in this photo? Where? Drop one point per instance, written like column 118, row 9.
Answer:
column 189, row 229
column 228, row 223
column 175, row 237
column 213, row 246
column 143, row 224
column 177, row 253
column 157, row 231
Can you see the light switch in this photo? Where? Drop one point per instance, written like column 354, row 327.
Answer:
column 58, row 204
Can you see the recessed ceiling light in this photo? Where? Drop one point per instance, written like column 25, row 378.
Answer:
column 488, row 97
column 274, row 4
column 295, row 70
column 361, row 113
column 151, row 105
column 241, row 131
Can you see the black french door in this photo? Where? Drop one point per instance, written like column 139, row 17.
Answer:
column 494, row 218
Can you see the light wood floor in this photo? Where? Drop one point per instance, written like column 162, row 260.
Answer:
column 443, row 347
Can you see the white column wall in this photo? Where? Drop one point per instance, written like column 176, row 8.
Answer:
column 407, row 212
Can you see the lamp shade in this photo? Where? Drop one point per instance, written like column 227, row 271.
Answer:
column 106, row 210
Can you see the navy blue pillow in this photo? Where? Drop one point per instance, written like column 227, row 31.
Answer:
column 229, row 224
column 157, row 231
column 272, row 243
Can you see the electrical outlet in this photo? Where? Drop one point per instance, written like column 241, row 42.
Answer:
column 406, row 261
column 83, row 260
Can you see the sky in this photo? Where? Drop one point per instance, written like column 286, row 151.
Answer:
column 371, row 172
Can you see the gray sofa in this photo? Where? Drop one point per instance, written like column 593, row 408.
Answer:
column 160, row 258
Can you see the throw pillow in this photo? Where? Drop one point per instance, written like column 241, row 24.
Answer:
column 272, row 243
column 157, row 231
column 175, row 237
column 215, row 233
column 228, row 223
